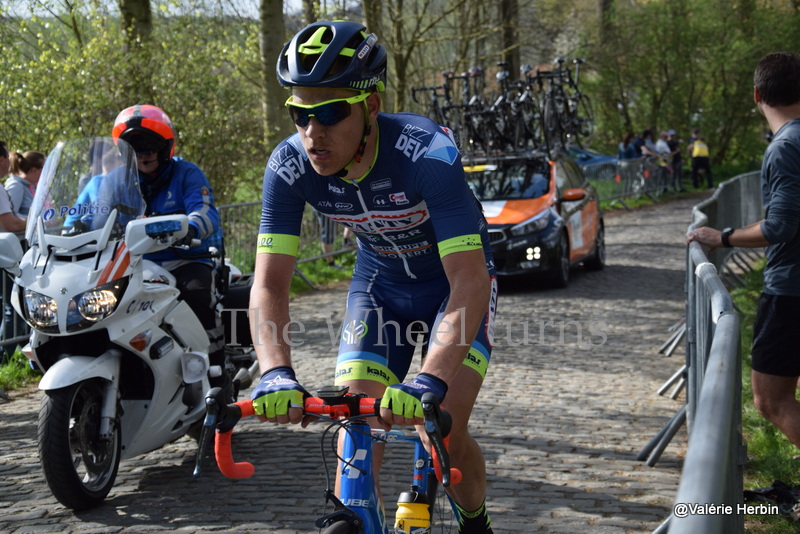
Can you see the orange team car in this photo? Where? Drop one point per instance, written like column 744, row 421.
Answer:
column 544, row 217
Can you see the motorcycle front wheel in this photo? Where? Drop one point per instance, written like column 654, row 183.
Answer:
column 79, row 465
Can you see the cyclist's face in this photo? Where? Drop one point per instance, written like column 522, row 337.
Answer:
column 330, row 148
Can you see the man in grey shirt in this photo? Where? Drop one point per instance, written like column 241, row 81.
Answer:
column 776, row 355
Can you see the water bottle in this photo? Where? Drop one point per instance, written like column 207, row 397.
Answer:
column 413, row 514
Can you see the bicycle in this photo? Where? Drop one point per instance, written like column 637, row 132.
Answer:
column 359, row 509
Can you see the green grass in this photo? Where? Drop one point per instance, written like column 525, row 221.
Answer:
column 16, row 372
column 771, row 456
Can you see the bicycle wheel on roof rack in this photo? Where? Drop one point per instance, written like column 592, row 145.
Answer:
column 530, row 119
column 551, row 127
column 584, row 117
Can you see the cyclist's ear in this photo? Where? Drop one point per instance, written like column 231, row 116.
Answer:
column 373, row 103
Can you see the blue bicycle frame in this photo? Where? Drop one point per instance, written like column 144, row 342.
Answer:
column 358, row 486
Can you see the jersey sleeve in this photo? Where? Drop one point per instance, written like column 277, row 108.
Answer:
column 454, row 211
column 281, row 206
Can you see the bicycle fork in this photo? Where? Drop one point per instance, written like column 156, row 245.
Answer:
column 360, row 502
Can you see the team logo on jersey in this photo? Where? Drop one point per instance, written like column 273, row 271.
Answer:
column 399, row 198
column 380, row 201
column 343, row 206
column 287, row 164
column 338, row 190
column 324, row 204
column 384, row 183
column 354, row 330
column 411, row 142
column 442, row 148
column 386, row 221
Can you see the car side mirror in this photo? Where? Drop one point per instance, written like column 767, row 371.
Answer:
column 10, row 253
column 573, row 195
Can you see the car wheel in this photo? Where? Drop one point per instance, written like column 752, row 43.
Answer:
column 597, row 260
column 560, row 275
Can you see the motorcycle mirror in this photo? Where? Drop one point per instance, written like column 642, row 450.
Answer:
column 10, row 253
column 155, row 233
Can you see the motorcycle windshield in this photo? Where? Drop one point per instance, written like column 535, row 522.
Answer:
column 87, row 193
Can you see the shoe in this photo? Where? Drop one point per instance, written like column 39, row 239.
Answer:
column 336, row 266
column 781, row 495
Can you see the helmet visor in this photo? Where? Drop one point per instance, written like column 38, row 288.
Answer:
column 327, row 113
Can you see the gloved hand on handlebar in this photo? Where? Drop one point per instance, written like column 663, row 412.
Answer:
column 278, row 391
column 191, row 234
column 405, row 400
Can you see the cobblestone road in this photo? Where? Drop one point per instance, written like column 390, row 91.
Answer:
column 566, row 407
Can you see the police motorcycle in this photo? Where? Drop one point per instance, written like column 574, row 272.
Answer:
column 125, row 361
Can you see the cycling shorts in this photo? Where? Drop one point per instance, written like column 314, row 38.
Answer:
column 385, row 323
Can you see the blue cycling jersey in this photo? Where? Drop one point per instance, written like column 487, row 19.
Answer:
column 411, row 209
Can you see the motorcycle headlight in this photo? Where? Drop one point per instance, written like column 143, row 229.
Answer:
column 94, row 305
column 535, row 224
column 41, row 311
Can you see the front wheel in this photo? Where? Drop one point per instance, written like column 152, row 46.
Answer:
column 597, row 260
column 559, row 278
column 443, row 518
column 341, row 527
column 79, row 464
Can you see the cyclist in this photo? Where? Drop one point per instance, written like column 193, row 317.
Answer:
column 172, row 185
column 423, row 258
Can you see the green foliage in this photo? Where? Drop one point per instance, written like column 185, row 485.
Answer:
column 63, row 81
column 15, row 372
column 688, row 63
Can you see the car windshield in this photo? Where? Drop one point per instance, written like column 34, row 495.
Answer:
column 517, row 180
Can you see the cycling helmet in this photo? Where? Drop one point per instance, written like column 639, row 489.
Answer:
column 146, row 127
column 337, row 54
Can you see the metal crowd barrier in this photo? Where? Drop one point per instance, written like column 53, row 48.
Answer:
column 630, row 179
column 240, row 224
column 711, row 480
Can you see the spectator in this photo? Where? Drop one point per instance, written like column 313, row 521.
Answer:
column 677, row 161
column 698, row 149
column 775, row 360
column 662, row 146
column 627, row 148
column 648, row 147
column 9, row 221
column 21, row 185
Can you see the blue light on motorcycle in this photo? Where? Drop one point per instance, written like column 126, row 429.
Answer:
column 162, row 228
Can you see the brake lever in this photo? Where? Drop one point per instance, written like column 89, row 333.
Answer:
column 214, row 408
column 437, row 425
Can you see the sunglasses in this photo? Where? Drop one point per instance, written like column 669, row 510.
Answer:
column 327, row 113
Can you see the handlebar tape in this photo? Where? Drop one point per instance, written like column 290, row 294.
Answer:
column 222, row 448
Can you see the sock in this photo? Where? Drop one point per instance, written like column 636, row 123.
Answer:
column 477, row 522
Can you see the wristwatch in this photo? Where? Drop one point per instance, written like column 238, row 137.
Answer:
column 725, row 236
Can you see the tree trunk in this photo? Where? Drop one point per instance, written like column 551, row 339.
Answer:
column 310, row 11
column 373, row 11
column 509, row 18
column 137, row 18
column 276, row 122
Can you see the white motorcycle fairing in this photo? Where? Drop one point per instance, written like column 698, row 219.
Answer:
column 125, row 360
